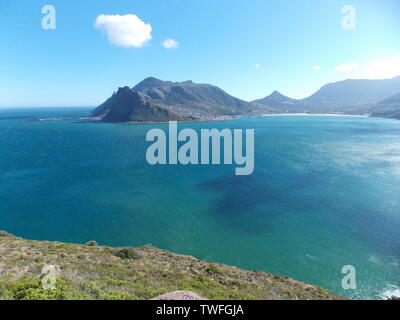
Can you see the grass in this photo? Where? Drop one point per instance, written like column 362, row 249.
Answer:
column 104, row 273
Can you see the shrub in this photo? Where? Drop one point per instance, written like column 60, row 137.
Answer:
column 212, row 268
column 27, row 288
column 126, row 253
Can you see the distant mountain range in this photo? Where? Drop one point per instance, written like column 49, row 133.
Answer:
column 154, row 100
column 349, row 93
column 348, row 96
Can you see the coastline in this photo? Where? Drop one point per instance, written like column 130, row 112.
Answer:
column 184, row 121
column 316, row 114
column 98, row 120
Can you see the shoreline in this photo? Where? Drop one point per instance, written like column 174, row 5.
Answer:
column 315, row 114
column 183, row 121
column 97, row 120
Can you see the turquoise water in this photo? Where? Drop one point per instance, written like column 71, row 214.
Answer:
column 325, row 193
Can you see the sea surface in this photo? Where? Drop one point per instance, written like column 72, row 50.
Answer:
column 325, row 193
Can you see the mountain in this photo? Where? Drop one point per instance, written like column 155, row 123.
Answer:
column 388, row 108
column 276, row 99
column 128, row 105
column 392, row 114
column 349, row 96
column 157, row 100
column 353, row 92
column 151, row 82
column 192, row 99
column 392, row 100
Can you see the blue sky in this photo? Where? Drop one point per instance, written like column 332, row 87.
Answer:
column 247, row 47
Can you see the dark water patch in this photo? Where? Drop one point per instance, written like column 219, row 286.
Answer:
column 393, row 153
column 259, row 195
column 378, row 164
column 376, row 129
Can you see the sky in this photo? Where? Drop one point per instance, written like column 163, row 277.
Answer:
column 249, row 48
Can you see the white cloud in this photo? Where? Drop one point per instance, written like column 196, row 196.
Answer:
column 124, row 31
column 316, row 68
column 257, row 65
column 347, row 67
column 170, row 43
column 382, row 69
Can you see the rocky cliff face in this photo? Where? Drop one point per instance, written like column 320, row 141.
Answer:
column 128, row 105
column 157, row 100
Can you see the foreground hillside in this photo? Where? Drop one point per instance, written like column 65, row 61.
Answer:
column 96, row 272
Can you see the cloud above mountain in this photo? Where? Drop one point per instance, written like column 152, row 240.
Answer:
column 347, row 67
column 382, row 69
column 127, row 31
column 386, row 68
column 170, row 43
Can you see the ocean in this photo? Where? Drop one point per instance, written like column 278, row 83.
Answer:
column 325, row 193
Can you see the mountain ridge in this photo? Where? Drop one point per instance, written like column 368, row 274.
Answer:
column 155, row 100
column 351, row 92
column 393, row 99
column 346, row 96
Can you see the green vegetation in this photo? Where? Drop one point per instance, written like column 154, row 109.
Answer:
column 213, row 269
column 98, row 272
column 126, row 253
